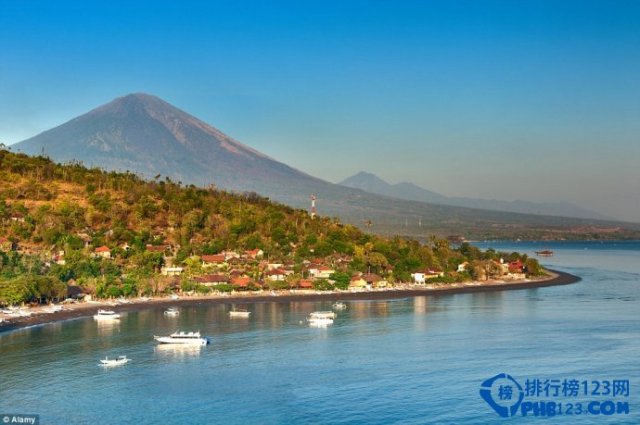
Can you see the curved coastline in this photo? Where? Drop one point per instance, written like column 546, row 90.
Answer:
column 86, row 310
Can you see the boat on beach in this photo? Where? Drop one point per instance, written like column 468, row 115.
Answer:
column 172, row 311
column 241, row 313
column 52, row 309
column 188, row 338
column 106, row 315
column 118, row 361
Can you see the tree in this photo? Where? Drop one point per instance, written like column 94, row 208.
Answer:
column 341, row 280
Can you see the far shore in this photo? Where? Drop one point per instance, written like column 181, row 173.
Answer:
column 87, row 309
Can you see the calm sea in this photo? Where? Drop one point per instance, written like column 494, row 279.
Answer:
column 408, row 361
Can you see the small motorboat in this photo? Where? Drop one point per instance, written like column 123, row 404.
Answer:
column 320, row 323
column 239, row 313
column 323, row 315
column 190, row 338
column 339, row 305
column 118, row 361
column 106, row 315
column 321, row 319
column 545, row 253
column 172, row 311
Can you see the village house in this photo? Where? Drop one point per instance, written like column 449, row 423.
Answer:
column 17, row 217
column 230, row 254
column 86, row 239
column 516, row 270
column 276, row 275
column 254, row 253
column 102, row 251
column 422, row 276
column 213, row 260
column 357, row 282
column 321, row 272
column 274, row 266
column 374, row 281
column 463, row 267
column 171, row 271
column 242, row 281
column 305, row 284
column 59, row 258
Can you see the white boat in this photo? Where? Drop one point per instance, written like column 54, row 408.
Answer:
column 339, row 305
column 192, row 338
column 320, row 323
column 323, row 315
column 321, row 319
column 239, row 313
column 118, row 361
column 106, row 315
column 172, row 311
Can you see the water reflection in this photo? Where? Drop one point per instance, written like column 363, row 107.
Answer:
column 107, row 327
column 177, row 351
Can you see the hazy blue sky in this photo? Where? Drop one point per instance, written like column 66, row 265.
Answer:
column 536, row 100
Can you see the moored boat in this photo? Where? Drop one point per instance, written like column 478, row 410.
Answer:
column 239, row 313
column 106, row 315
column 190, row 338
column 323, row 315
column 118, row 361
column 321, row 319
column 339, row 305
column 172, row 311
column 545, row 253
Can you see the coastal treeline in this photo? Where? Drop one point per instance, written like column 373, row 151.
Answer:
column 58, row 222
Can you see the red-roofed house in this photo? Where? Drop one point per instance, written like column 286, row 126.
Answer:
column 216, row 259
column 212, row 279
column 516, row 266
column 321, row 272
column 357, row 282
column 102, row 251
column 254, row 253
column 241, row 281
column 305, row 284
column 276, row 275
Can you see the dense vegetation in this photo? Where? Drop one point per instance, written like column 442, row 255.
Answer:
column 49, row 210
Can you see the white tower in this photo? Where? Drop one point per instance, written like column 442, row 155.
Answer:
column 313, row 206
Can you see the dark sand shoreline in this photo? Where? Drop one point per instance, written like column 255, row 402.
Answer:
column 87, row 309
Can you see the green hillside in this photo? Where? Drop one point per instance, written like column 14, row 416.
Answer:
column 58, row 222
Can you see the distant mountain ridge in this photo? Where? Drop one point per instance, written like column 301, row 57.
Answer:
column 148, row 136
column 412, row 192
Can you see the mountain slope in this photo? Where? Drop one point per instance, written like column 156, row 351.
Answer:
column 143, row 134
column 409, row 191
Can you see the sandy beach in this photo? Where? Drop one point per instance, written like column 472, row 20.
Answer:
column 83, row 309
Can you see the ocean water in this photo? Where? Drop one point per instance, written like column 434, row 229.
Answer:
column 406, row 361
